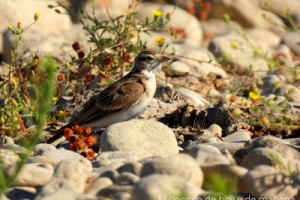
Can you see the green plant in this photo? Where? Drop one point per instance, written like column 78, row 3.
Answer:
column 266, row 116
column 27, row 93
column 45, row 91
column 14, row 88
column 286, row 168
column 220, row 186
column 116, row 40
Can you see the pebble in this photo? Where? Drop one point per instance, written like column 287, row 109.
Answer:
column 178, row 69
column 181, row 165
column 270, row 84
column 283, row 53
column 280, row 6
column 203, row 65
column 239, row 59
column 6, row 140
column 8, row 158
column 29, row 173
column 39, row 149
column 264, row 37
column 122, row 196
column 217, row 27
column 111, row 166
column 187, row 22
column 126, row 178
column 20, row 193
column 146, row 137
column 113, row 189
column 70, row 175
column 206, row 155
column 44, row 159
column 288, row 40
column 279, row 145
column 66, row 194
column 265, row 181
column 266, row 156
column 106, row 158
column 214, row 130
column 189, row 94
column 233, row 148
column 97, row 185
column 111, row 174
column 30, row 6
column 238, row 136
column 62, row 154
column 131, row 167
column 163, row 186
column 261, row 156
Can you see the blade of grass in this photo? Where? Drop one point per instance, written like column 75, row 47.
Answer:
column 45, row 94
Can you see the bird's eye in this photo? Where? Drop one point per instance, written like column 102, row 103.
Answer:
column 147, row 58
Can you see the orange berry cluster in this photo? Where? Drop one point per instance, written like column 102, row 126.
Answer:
column 80, row 140
column 76, row 47
column 60, row 77
column 200, row 9
column 126, row 58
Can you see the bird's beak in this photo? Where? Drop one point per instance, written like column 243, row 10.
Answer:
column 164, row 59
column 159, row 64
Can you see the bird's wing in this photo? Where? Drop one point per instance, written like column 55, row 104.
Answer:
column 117, row 97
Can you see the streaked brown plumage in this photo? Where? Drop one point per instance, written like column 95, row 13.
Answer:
column 124, row 99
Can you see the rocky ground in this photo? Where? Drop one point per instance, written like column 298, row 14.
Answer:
column 237, row 118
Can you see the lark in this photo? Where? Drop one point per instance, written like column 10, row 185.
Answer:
column 124, row 99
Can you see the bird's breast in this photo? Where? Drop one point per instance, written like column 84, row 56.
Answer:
column 150, row 84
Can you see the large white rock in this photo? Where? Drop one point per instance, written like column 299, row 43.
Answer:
column 146, row 138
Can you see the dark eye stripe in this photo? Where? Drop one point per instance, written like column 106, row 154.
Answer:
column 146, row 58
column 149, row 58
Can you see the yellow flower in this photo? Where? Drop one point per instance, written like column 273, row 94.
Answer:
column 36, row 16
column 234, row 45
column 62, row 114
column 254, row 96
column 14, row 82
column 157, row 14
column 54, row 100
column 160, row 41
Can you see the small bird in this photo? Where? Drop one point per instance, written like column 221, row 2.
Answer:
column 124, row 99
